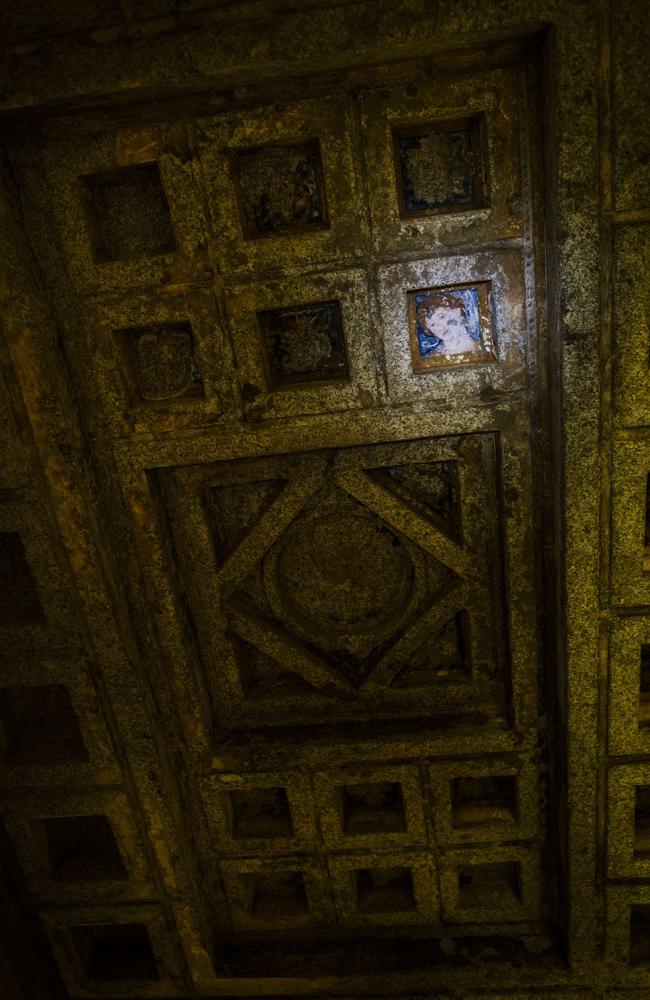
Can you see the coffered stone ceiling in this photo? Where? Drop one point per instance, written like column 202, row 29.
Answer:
column 323, row 505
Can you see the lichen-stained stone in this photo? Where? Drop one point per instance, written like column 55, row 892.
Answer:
column 211, row 522
column 631, row 334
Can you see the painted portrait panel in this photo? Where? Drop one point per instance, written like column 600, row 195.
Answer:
column 450, row 326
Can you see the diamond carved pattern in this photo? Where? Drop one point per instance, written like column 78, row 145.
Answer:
column 364, row 578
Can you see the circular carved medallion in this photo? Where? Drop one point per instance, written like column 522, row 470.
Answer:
column 340, row 568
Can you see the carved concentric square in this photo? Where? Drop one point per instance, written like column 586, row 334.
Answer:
column 374, row 807
column 452, row 326
column 628, row 811
column 74, row 847
column 282, row 894
column 483, row 801
column 154, row 362
column 121, row 950
column 629, row 685
column 128, row 209
column 627, row 939
column 631, row 522
column 19, row 600
column 35, row 603
column 128, row 213
column 38, row 750
column 39, row 726
column 161, row 362
column 282, row 185
column 304, row 346
column 439, row 181
column 262, row 813
column 487, row 885
column 385, row 888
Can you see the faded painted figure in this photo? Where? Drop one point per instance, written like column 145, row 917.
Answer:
column 447, row 323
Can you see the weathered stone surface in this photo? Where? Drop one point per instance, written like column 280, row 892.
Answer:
column 331, row 640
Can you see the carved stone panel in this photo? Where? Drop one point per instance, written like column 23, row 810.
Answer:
column 160, row 362
column 363, row 580
column 429, row 177
column 281, row 189
column 304, row 344
column 440, row 166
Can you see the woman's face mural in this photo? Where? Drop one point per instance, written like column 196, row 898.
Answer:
column 450, row 326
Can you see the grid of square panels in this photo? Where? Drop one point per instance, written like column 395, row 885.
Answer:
column 372, row 844
column 280, row 191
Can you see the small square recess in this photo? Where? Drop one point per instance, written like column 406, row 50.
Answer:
column 19, row 601
column 277, row 896
column 304, row 344
column 40, row 725
column 639, row 934
column 82, row 848
column 644, row 686
column 488, row 799
column 440, row 166
column 372, row 807
column 128, row 213
column 261, row 812
column 111, row 953
column 160, row 362
column 281, row 189
column 489, row 885
column 384, row 890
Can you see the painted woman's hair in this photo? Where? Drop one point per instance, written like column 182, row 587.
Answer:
column 440, row 300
